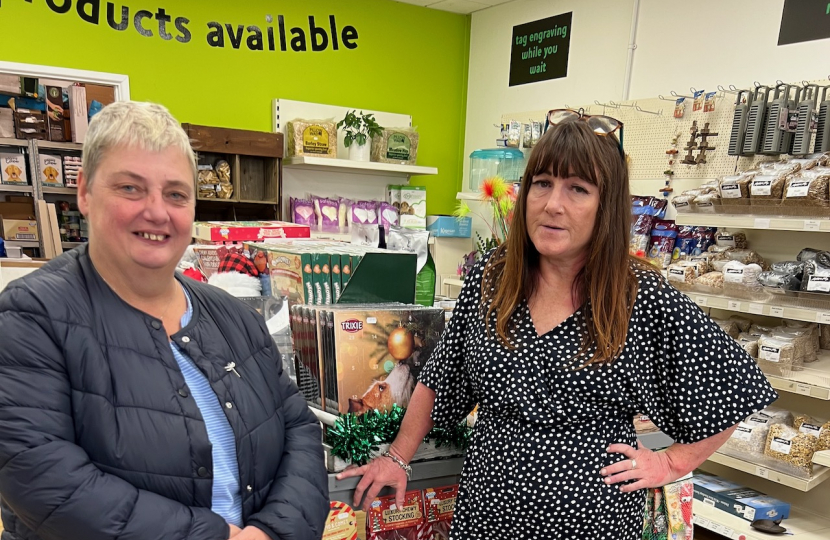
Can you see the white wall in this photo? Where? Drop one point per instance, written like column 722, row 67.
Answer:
column 596, row 67
column 710, row 42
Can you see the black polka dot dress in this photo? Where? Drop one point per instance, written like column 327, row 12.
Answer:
column 533, row 466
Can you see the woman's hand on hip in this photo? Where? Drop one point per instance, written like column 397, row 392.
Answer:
column 248, row 533
column 377, row 474
column 234, row 530
column 643, row 468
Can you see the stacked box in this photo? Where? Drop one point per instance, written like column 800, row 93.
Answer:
column 51, row 170
column 13, row 169
column 413, row 207
column 71, row 168
column 738, row 500
column 247, row 231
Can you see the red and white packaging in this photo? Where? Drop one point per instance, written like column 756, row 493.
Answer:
column 439, row 506
column 385, row 521
column 248, row 231
column 341, row 523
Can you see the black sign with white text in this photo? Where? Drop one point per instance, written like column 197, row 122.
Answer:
column 540, row 50
column 804, row 20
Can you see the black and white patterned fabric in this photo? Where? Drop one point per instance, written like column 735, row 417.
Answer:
column 544, row 424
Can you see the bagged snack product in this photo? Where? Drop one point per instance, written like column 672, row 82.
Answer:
column 365, row 213
column 640, row 234
column 767, row 189
column 385, row 521
column 809, row 425
column 814, row 328
column 808, row 188
column 685, row 243
column 794, row 268
column 302, row 212
column 745, row 256
column 742, row 322
column 731, row 240
column 207, row 182
column 314, row 138
column 706, row 203
column 760, row 330
column 389, row 215
column 397, row 145
column 704, row 237
column 817, row 274
column 790, row 446
column 327, row 211
column 802, row 340
column 824, row 336
column 683, row 203
column 341, row 523
column 663, row 235
column 710, row 282
column 807, row 254
column 703, row 262
column 777, row 415
column 648, row 205
column 741, row 280
column 749, row 343
column 439, row 506
column 682, row 275
column 806, row 163
column 750, row 436
column 730, row 327
column 774, row 280
column 776, row 355
column 735, row 189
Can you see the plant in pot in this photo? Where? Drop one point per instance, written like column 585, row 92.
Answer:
column 359, row 130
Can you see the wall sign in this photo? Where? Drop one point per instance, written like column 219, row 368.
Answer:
column 540, row 50
column 804, row 20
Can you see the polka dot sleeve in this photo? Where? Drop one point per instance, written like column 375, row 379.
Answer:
column 446, row 372
column 698, row 381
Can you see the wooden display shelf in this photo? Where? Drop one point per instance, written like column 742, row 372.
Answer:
column 9, row 188
column 740, row 221
column 771, row 308
column 801, row 525
column 819, row 476
column 60, row 190
column 357, row 167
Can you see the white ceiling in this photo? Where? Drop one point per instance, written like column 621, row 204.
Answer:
column 455, row 6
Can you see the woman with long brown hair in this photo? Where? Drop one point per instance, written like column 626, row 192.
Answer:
column 560, row 337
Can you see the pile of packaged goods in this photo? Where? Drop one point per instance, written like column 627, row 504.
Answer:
column 405, row 206
column 738, row 500
column 780, row 440
column 425, row 514
column 795, row 186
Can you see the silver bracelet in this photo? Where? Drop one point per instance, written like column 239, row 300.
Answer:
column 406, row 468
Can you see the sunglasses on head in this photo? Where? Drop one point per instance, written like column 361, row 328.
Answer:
column 602, row 125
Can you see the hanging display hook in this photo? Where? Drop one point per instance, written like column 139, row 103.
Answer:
column 757, row 84
column 665, row 98
column 618, row 105
column 675, row 94
column 639, row 109
column 731, row 90
column 606, row 105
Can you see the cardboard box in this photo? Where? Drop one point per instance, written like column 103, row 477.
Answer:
column 78, row 113
column 55, row 113
column 247, row 231
column 30, row 124
column 737, row 500
column 6, row 123
column 20, row 229
column 414, row 207
column 450, row 226
column 393, row 195
column 13, row 169
column 51, row 170
column 321, row 277
column 100, row 93
column 10, row 84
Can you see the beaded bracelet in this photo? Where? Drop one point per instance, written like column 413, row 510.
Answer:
column 406, row 468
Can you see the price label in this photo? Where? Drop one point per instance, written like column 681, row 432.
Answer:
column 757, row 309
column 803, row 389
column 776, row 311
column 812, row 225
column 823, row 318
column 701, row 300
column 734, row 305
column 761, row 223
column 762, row 472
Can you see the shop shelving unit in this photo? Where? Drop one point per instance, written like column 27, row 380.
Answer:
column 740, row 221
column 357, row 167
column 803, row 525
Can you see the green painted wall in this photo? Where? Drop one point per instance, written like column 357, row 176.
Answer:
column 408, row 60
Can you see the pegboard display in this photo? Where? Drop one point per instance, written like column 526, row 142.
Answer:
column 650, row 126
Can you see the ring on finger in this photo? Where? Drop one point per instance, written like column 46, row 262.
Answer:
column 633, row 464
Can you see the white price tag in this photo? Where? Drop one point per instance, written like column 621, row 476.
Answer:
column 734, row 305
column 776, row 311
column 812, row 225
column 761, row 223
column 762, row 472
column 701, row 300
column 803, row 389
column 757, row 309
column 823, row 318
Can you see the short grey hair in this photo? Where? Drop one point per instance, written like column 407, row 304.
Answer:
column 148, row 126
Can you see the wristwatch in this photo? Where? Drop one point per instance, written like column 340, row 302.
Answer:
column 406, row 468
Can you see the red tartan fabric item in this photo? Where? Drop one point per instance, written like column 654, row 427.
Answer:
column 236, row 262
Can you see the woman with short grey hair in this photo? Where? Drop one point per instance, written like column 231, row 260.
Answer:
column 138, row 404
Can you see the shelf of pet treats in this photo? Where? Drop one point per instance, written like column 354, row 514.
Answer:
column 751, row 221
column 772, row 305
column 800, row 525
column 771, row 471
column 357, row 167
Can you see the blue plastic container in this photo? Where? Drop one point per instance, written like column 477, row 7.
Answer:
column 509, row 163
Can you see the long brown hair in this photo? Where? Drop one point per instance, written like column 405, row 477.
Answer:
column 607, row 280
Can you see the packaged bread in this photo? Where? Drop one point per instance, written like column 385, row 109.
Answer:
column 314, row 138
column 788, row 445
column 808, row 188
column 735, row 189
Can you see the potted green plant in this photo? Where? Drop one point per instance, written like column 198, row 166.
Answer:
column 359, row 130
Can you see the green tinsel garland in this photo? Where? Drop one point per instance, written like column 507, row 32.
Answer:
column 357, row 438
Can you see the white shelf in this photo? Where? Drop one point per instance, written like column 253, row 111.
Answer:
column 453, row 282
column 739, row 221
column 822, row 458
column 15, row 189
column 802, row 525
column 820, row 474
column 60, row 190
column 23, row 243
column 760, row 308
column 468, row 196
column 50, row 145
column 804, row 382
column 356, row 167
column 20, row 143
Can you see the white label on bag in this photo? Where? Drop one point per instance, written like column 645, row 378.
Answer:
column 758, row 420
column 776, row 311
column 810, row 429
column 798, row 188
column 761, row 188
column 812, row 225
column 818, row 283
column 733, row 275
column 727, row 240
column 767, row 352
column 679, row 274
column 742, row 433
column 730, row 191
column 680, row 204
column 781, row 445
